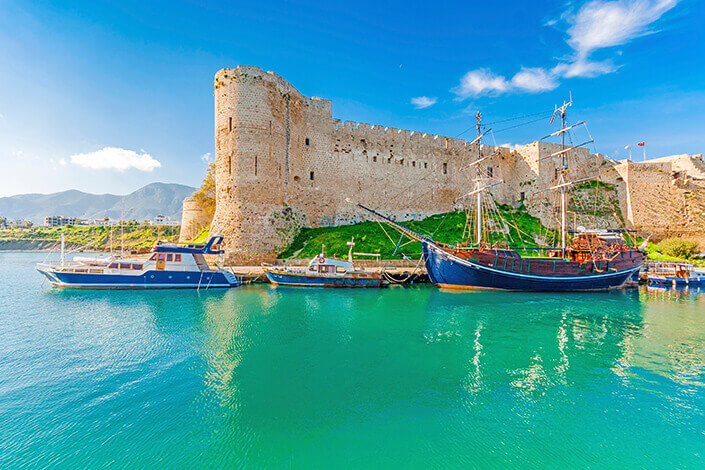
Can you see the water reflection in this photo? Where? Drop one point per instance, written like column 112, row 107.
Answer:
column 321, row 356
column 267, row 363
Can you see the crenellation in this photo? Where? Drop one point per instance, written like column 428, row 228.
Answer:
column 283, row 161
column 364, row 128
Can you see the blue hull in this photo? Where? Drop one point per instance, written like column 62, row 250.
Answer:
column 147, row 280
column 679, row 281
column 447, row 270
column 292, row 279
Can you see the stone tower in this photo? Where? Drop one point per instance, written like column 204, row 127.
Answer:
column 260, row 121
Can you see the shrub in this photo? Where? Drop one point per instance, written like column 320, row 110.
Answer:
column 678, row 247
column 205, row 196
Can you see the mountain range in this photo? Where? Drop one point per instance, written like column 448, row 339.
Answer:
column 144, row 203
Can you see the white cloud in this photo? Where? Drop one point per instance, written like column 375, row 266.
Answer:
column 113, row 158
column 600, row 24
column 583, row 68
column 483, row 81
column 421, row 102
column 479, row 82
column 206, row 157
column 534, row 80
column 511, row 146
column 62, row 162
column 597, row 24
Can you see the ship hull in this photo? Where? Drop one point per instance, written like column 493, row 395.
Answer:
column 448, row 270
column 152, row 279
column 678, row 281
column 285, row 278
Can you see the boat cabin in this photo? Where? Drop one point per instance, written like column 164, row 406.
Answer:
column 321, row 264
column 673, row 269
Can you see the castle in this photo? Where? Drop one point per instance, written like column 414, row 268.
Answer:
column 282, row 162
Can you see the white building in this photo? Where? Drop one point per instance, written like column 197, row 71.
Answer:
column 163, row 220
column 60, row 221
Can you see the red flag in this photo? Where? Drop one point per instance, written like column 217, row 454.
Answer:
column 641, row 144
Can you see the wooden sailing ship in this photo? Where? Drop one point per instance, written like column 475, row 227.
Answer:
column 593, row 260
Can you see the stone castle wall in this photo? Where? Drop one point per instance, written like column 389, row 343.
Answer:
column 665, row 198
column 283, row 161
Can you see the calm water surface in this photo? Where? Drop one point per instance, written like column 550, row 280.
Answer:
column 403, row 377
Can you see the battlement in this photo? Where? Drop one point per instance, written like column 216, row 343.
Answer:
column 362, row 130
column 269, row 135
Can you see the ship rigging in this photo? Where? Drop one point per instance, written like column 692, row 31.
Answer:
column 592, row 260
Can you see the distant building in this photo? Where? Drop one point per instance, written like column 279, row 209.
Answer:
column 163, row 220
column 19, row 223
column 60, row 221
column 101, row 222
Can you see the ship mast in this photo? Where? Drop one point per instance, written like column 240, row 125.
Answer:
column 563, row 182
column 478, row 184
column 564, row 167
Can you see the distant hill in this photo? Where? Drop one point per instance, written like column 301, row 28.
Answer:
column 145, row 203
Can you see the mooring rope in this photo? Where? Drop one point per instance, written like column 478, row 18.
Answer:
column 391, row 280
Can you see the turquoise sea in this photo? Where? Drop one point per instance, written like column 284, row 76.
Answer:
column 265, row 377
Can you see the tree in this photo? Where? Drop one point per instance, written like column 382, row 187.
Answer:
column 678, row 247
column 205, row 196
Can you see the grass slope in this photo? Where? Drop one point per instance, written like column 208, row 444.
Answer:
column 371, row 238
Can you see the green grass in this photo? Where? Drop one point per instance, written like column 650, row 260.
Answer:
column 202, row 236
column 135, row 236
column 370, row 237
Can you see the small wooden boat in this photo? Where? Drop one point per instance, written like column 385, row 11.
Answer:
column 324, row 271
column 675, row 273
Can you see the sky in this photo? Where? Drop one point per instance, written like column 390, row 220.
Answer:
column 107, row 97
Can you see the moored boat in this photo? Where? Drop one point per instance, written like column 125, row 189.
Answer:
column 492, row 267
column 168, row 265
column 324, row 271
column 675, row 273
column 594, row 259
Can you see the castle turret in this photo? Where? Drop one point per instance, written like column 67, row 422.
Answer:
column 259, row 121
column 193, row 219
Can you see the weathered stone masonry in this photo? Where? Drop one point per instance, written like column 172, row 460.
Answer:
column 283, row 161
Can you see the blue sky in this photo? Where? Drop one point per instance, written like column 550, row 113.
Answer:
column 106, row 97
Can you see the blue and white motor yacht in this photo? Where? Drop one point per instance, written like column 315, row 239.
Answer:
column 169, row 265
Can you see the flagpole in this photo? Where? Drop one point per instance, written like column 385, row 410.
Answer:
column 644, row 151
